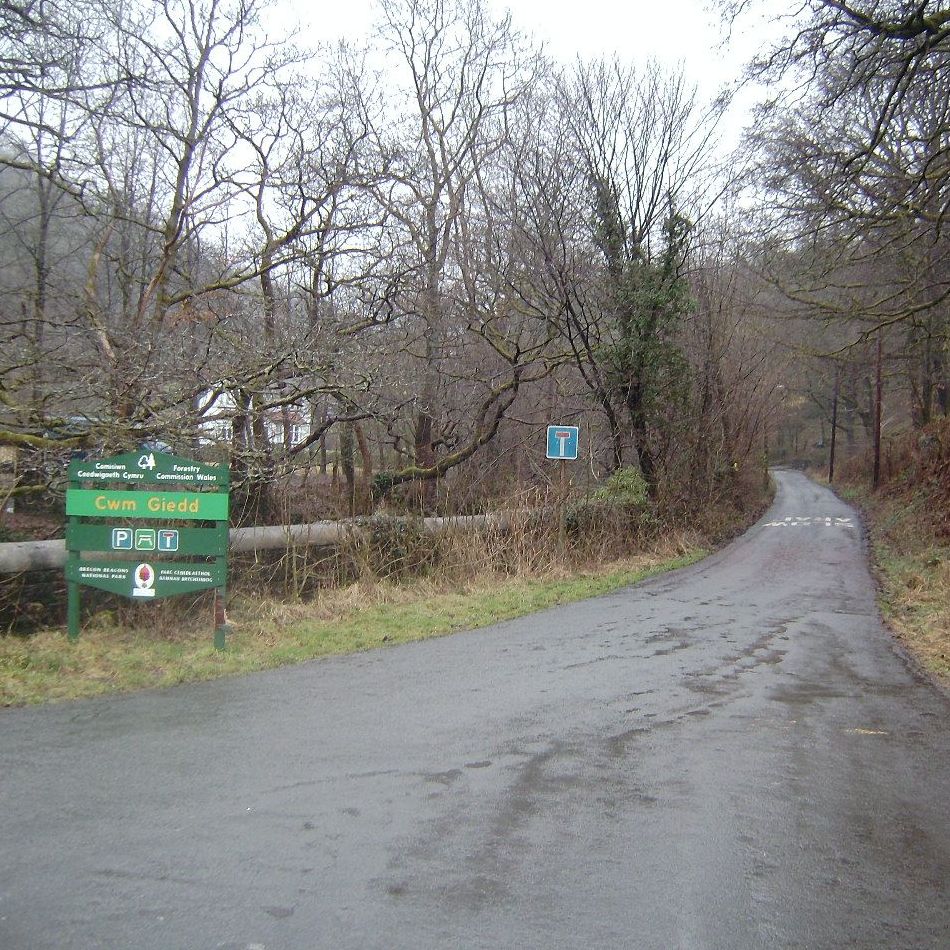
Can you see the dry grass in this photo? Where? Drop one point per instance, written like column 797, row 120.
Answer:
column 913, row 568
column 399, row 586
column 909, row 524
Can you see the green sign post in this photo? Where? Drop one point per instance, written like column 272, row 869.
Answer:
column 147, row 525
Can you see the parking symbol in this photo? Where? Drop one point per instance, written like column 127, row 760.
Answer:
column 121, row 539
column 144, row 539
column 167, row 540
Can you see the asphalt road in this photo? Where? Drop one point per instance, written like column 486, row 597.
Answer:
column 730, row 756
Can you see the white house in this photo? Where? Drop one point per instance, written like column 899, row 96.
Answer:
column 287, row 424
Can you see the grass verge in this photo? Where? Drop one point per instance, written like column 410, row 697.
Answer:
column 110, row 659
column 911, row 560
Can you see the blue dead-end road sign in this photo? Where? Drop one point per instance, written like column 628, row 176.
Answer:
column 167, row 540
column 563, row 442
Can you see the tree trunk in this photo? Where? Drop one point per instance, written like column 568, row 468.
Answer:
column 425, row 420
column 879, row 393
column 366, row 481
column 347, row 465
column 638, row 425
column 834, row 427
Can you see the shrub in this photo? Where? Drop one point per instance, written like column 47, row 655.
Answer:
column 625, row 486
column 615, row 517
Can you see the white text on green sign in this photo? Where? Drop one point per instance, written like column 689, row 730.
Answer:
column 148, row 468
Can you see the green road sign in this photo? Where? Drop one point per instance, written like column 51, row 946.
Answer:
column 143, row 580
column 179, row 541
column 167, row 505
column 129, row 489
column 149, row 468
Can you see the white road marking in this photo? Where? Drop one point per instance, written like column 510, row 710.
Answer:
column 800, row 521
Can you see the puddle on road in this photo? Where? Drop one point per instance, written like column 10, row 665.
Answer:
column 800, row 695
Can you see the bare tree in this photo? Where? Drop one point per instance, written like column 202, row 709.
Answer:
column 900, row 45
column 862, row 241
column 464, row 72
column 622, row 167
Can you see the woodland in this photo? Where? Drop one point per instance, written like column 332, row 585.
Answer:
column 367, row 276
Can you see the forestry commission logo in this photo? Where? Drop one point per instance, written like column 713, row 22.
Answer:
column 144, row 578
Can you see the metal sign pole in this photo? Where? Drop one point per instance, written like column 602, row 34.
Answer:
column 220, row 619
column 72, row 612
column 562, row 446
column 562, row 509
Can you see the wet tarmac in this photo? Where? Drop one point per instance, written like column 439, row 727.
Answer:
column 730, row 756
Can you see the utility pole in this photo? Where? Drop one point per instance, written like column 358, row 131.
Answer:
column 834, row 425
column 879, row 389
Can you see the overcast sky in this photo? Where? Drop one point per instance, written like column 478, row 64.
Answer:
column 673, row 32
